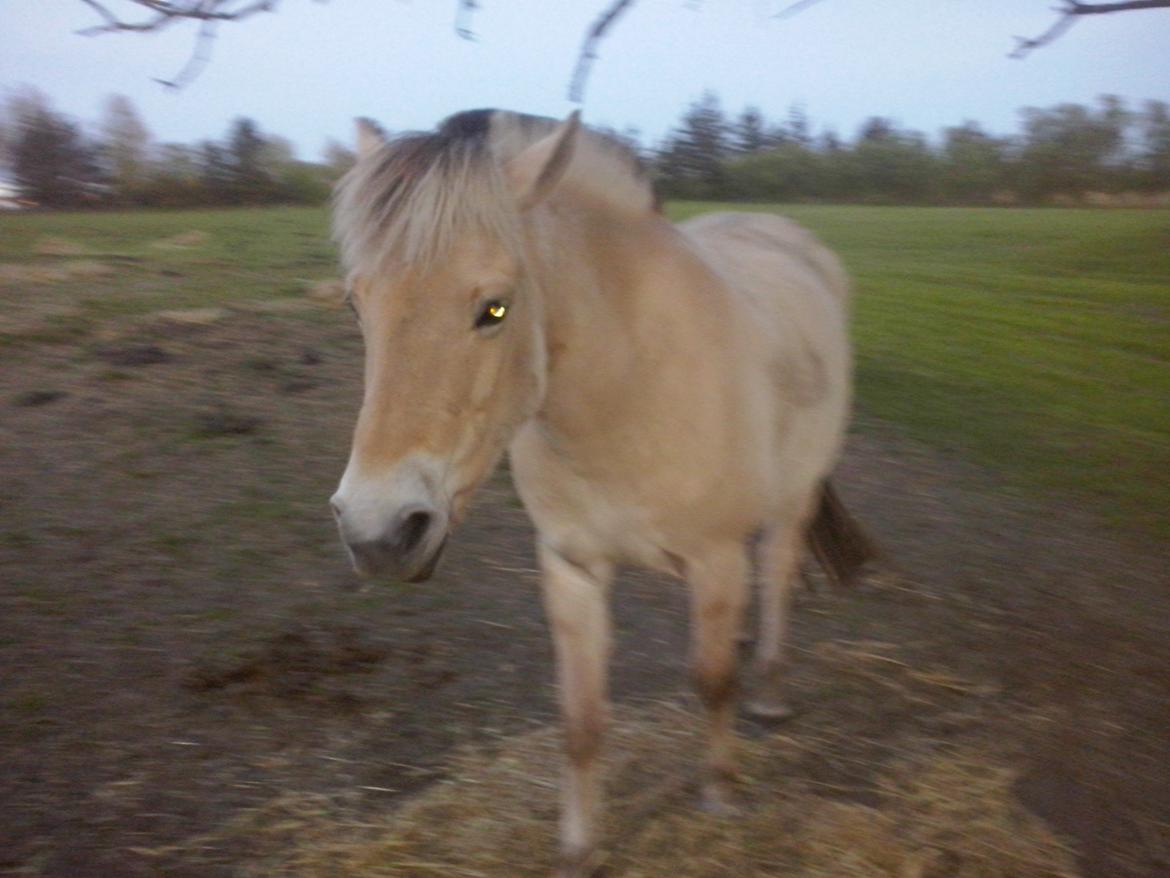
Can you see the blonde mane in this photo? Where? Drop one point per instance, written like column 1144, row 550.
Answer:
column 417, row 195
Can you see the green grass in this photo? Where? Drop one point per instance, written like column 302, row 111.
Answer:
column 1034, row 341
column 243, row 255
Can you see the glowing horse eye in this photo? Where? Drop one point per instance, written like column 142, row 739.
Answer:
column 491, row 315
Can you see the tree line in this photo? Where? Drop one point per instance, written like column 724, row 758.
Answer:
column 1070, row 153
column 55, row 162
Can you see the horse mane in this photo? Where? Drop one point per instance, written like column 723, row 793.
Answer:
column 418, row 194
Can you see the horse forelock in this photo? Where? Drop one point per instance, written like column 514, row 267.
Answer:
column 418, row 195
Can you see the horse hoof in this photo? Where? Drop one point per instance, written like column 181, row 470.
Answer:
column 717, row 800
column 769, row 708
column 580, row 864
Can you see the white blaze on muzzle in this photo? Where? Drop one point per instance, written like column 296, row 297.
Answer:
column 395, row 521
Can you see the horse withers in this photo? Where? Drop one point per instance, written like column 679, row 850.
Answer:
column 670, row 396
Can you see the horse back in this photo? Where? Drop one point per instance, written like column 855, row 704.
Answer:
column 789, row 294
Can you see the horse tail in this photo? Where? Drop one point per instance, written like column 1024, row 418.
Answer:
column 840, row 544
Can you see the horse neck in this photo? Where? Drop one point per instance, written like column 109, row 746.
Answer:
column 602, row 274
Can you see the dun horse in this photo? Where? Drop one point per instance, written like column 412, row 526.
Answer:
column 670, row 396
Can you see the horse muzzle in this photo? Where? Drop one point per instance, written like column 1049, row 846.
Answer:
column 408, row 549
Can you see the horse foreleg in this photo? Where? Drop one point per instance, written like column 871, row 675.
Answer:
column 719, row 591
column 576, row 603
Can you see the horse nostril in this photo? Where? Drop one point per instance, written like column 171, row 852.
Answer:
column 412, row 531
column 336, row 507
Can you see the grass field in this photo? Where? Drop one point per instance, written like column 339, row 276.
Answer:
column 1034, row 341
column 193, row 683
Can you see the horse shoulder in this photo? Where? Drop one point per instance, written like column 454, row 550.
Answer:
column 795, row 292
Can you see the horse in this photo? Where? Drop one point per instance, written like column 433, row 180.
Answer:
column 669, row 396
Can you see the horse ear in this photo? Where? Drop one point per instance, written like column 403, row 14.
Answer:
column 370, row 137
column 536, row 171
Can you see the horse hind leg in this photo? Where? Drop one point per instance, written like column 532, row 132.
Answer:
column 719, row 591
column 779, row 553
column 576, row 603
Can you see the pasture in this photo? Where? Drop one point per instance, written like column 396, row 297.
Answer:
column 194, row 684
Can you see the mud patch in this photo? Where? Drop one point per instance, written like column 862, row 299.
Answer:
column 304, row 663
column 226, row 422
column 34, row 398
column 133, row 355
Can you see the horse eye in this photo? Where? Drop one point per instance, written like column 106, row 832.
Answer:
column 492, row 314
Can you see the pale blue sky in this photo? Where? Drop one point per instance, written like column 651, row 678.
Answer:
column 307, row 70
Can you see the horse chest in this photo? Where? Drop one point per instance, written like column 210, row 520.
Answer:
column 633, row 511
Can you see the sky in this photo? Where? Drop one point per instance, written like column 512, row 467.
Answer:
column 306, row 71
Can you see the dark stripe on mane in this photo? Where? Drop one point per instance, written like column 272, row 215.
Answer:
column 468, row 125
column 463, row 136
column 421, row 191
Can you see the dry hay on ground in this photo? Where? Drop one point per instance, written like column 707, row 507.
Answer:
column 191, row 316
column 182, row 241
column 327, row 292
column 939, row 812
column 53, row 246
column 17, row 273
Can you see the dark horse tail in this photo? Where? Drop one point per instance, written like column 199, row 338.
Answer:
column 841, row 546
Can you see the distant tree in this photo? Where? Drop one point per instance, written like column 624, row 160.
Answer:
column 246, row 148
column 178, row 160
column 217, row 173
column 877, row 129
column 829, row 142
column 176, row 177
column 277, row 152
column 691, row 162
column 798, row 128
column 891, row 165
column 1154, row 161
column 125, row 146
column 788, row 172
column 749, row 134
column 338, row 158
column 52, row 162
column 1071, row 149
column 973, row 164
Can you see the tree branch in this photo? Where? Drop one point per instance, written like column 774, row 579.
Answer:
column 464, row 10
column 209, row 13
column 799, row 6
column 1070, row 12
column 588, row 54
column 169, row 11
column 200, row 56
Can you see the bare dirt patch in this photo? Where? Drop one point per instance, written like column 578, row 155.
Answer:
column 185, row 653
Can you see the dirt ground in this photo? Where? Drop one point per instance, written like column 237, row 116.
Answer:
column 183, row 641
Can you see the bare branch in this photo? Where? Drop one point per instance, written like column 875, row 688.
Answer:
column 1070, row 12
column 169, row 11
column 464, row 10
column 200, row 56
column 800, row 6
column 588, row 52
column 209, row 13
column 1105, row 8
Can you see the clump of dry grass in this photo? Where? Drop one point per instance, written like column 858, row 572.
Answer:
column 327, row 292
column 191, row 316
column 182, row 241
column 938, row 812
column 17, row 273
column 53, row 246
